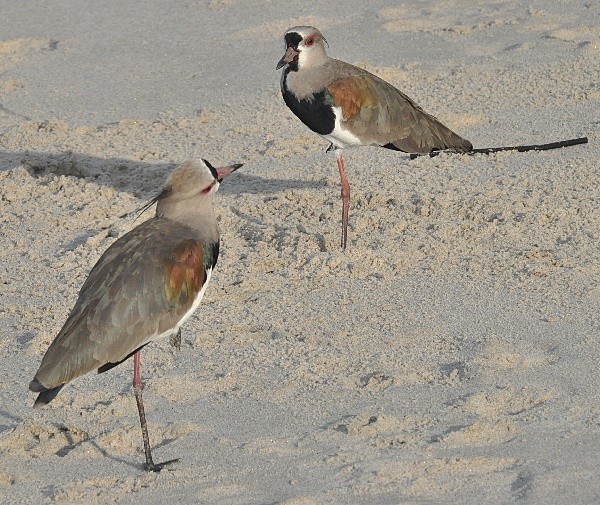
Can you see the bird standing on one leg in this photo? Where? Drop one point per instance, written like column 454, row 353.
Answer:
column 349, row 106
column 144, row 287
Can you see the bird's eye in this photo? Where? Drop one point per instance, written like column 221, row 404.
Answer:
column 310, row 41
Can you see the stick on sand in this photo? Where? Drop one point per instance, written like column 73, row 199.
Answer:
column 522, row 149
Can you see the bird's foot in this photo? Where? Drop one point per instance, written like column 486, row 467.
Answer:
column 157, row 467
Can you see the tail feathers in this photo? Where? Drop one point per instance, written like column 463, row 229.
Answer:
column 434, row 138
column 438, row 137
column 444, row 139
column 45, row 395
column 461, row 145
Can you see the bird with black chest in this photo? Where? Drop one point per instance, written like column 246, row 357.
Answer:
column 349, row 106
column 143, row 288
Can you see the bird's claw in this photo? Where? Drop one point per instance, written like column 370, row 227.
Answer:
column 157, row 467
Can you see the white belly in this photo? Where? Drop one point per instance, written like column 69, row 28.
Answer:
column 340, row 137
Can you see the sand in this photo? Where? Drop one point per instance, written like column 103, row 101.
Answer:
column 449, row 355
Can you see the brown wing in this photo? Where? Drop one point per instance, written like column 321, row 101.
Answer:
column 380, row 114
column 184, row 273
column 352, row 94
column 141, row 286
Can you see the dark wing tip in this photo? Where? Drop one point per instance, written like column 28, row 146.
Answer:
column 45, row 395
column 36, row 386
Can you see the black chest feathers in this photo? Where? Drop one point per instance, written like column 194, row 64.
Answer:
column 316, row 112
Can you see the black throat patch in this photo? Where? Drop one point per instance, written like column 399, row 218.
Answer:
column 315, row 112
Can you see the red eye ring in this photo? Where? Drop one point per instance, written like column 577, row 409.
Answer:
column 207, row 189
column 310, row 41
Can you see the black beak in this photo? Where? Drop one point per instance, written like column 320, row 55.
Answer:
column 288, row 57
column 223, row 172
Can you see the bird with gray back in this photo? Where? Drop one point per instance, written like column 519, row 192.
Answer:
column 143, row 288
column 349, row 106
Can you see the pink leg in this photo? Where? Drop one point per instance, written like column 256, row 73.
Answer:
column 138, row 387
column 345, row 197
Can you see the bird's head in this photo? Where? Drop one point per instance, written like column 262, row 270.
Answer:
column 304, row 48
column 193, row 180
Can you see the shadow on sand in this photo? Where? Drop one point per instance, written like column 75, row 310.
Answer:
column 142, row 179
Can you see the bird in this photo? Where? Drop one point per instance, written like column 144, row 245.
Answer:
column 349, row 106
column 143, row 288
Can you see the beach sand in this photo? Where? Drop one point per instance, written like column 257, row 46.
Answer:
column 449, row 355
